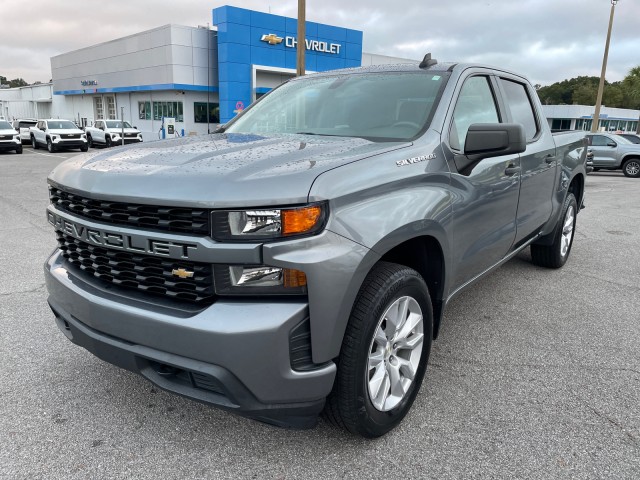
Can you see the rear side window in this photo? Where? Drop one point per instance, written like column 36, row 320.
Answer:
column 475, row 104
column 520, row 106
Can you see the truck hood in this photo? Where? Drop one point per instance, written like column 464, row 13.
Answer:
column 64, row 131
column 215, row 171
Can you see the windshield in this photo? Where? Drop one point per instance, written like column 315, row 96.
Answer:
column 379, row 107
column 117, row 124
column 5, row 125
column 61, row 125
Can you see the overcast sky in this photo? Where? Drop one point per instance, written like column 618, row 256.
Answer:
column 547, row 40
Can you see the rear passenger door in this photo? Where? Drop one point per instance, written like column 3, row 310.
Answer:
column 538, row 163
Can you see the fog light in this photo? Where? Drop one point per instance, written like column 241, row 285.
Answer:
column 258, row 280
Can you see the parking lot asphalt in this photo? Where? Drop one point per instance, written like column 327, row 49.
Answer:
column 536, row 374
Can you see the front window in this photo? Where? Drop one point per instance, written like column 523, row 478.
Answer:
column 61, row 125
column 379, row 107
column 5, row 125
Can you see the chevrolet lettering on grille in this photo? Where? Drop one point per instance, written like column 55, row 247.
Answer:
column 120, row 241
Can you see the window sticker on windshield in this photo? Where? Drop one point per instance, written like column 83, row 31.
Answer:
column 437, row 77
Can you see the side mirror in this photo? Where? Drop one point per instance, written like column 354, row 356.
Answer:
column 487, row 140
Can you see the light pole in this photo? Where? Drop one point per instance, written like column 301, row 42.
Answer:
column 302, row 44
column 596, row 115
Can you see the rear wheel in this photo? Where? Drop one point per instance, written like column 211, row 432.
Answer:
column 631, row 168
column 556, row 254
column 384, row 352
column 34, row 144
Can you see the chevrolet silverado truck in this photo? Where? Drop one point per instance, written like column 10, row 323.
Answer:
column 109, row 132
column 301, row 257
column 56, row 134
column 614, row 152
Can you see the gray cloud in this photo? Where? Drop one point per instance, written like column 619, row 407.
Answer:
column 546, row 40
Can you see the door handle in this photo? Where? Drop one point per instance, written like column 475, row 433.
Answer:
column 511, row 170
column 549, row 158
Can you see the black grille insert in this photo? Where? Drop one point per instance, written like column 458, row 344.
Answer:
column 144, row 273
column 150, row 217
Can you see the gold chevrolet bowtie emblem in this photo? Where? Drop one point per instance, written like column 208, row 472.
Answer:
column 182, row 273
column 272, row 39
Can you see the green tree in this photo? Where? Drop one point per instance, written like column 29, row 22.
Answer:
column 17, row 82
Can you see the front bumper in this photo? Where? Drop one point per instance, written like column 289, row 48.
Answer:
column 75, row 143
column 127, row 140
column 233, row 354
column 10, row 145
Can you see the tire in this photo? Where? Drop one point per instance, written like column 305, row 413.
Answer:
column 556, row 254
column 84, row 148
column 362, row 400
column 631, row 168
column 107, row 141
column 89, row 141
column 50, row 146
column 596, row 169
column 34, row 144
column 19, row 149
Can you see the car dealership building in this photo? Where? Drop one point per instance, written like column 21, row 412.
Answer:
column 203, row 76
column 199, row 76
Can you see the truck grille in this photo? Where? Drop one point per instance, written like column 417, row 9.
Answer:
column 6, row 137
column 66, row 136
column 140, row 272
column 130, row 135
column 150, row 217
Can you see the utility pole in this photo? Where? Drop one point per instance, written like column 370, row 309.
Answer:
column 122, row 123
column 208, row 73
column 301, row 38
column 596, row 115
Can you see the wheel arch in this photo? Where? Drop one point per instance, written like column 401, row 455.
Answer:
column 425, row 255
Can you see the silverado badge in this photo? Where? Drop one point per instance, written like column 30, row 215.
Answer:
column 182, row 273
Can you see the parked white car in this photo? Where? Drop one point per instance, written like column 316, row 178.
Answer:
column 22, row 125
column 9, row 138
column 109, row 132
column 56, row 134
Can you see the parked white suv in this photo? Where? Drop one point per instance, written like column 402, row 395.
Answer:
column 109, row 132
column 22, row 125
column 9, row 138
column 56, row 134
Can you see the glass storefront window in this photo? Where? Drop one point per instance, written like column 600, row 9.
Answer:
column 144, row 110
column 200, row 112
column 168, row 109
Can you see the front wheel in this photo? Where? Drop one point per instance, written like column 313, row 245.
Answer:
column 556, row 254
column 631, row 168
column 89, row 141
column 108, row 142
column 19, row 149
column 384, row 352
column 34, row 144
column 50, row 146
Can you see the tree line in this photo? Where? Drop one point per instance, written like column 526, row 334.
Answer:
column 584, row 90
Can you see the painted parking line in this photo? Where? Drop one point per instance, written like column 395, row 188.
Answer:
column 48, row 155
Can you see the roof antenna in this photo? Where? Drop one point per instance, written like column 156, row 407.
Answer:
column 428, row 61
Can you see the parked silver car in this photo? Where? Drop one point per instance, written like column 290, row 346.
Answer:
column 613, row 152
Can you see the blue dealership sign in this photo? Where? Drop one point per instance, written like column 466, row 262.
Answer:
column 247, row 38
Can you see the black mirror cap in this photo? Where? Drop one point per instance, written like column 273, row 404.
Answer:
column 485, row 140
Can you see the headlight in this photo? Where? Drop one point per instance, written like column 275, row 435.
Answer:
column 268, row 224
column 258, row 280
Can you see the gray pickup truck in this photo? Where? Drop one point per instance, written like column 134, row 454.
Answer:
column 613, row 152
column 301, row 258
